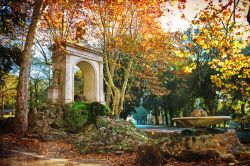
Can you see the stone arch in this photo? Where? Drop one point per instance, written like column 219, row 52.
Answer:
column 89, row 61
column 78, row 60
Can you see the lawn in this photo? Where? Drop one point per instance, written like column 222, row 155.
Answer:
column 8, row 116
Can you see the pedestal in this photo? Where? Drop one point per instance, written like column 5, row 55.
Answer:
column 54, row 94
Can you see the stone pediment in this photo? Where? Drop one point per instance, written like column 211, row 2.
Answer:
column 79, row 50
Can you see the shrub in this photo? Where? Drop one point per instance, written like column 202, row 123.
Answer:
column 97, row 109
column 80, row 106
column 76, row 116
column 106, row 109
column 78, row 113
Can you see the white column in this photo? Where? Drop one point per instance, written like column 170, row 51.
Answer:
column 97, row 85
column 68, row 81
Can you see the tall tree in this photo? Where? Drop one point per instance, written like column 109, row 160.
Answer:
column 213, row 41
column 23, row 82
column 127, row 32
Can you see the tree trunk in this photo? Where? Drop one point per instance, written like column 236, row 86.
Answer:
column 210, row 105
column 116, row 102
column 118, row 98
column 31, row 96
column 171, row 116
column 125, row 85
column 111, row 83
column 108, row 96
column 157, row 120
column 248, row 16
column 109, row 90
column 21, row 117
column 166, row 116
column 2, row 105
column 243, row 113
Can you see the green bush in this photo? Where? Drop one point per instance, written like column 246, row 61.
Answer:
column 76, row 116
column 78, row 113
column 97, row 109
column 80, row 106
column 106, row 109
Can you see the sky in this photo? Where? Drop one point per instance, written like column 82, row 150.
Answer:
column 172, row 21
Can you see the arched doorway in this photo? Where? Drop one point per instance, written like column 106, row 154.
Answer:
column 78, row 84
column 84, row 82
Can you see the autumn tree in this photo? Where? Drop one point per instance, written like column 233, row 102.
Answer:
column 219, row 35
column 127, row 33
column 198, row 70
column 232, row 65
column 64, row 21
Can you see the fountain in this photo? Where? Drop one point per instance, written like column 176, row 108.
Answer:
column 199, row 118
column 202, row 142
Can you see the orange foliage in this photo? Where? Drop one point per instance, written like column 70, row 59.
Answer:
column 132, row 28
column 220, row 35
column 63, row 19
column 121, row 28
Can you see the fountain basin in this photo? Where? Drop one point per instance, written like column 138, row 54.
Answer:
column 201, row 121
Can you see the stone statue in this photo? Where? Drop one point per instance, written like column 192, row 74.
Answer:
column 80, row 32
column 56, row 77
column 198, row 112
column 198, row 101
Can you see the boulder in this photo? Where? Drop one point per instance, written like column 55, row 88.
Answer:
column 45, row 122
column 148, row 155
column 46, row 117
column 202, row 147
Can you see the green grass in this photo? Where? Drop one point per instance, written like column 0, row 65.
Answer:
column 8, row 116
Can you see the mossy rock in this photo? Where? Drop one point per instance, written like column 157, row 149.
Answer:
column 111, row 135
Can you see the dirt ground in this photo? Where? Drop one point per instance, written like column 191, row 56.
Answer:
column 63, row 150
